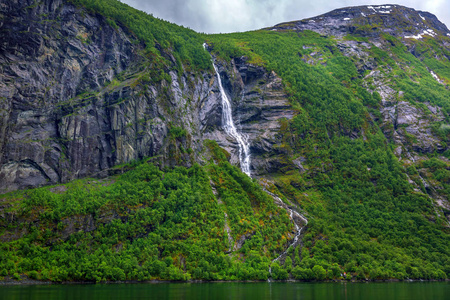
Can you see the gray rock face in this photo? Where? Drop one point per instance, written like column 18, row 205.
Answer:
column 409, row 126
column 259, row 106
column 55, row 124
column 75, row 101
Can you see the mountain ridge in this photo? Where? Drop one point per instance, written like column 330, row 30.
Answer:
column 395, row 20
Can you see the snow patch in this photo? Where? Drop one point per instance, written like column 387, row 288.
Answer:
column 429, row 32
column 346, row 19
column 448, row 34
column 421, row 17
column 363, row 14
column 416, row 37
column 312, row 21
column 380, row 9
column 436, row 77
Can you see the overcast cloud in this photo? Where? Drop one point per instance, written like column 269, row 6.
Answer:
column 220, row 16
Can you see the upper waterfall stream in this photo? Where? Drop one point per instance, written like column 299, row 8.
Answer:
column 230, row 127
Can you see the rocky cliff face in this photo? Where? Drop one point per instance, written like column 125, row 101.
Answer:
column 78, row 96
column 260, row 104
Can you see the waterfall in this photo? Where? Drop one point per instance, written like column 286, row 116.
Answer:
column 230, row 128
column 244, row 158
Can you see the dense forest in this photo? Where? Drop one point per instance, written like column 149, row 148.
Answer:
column 146, row 224
column 370, row 214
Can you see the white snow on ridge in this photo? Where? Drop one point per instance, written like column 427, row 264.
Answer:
column 379, row 9
column 363, row 14
column 429, row 32
column 421, row 17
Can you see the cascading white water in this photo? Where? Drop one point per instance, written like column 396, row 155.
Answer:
column 297, row 234
column 230, row 128
column 297, row 228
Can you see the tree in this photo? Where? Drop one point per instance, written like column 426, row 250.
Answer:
column 319, row 272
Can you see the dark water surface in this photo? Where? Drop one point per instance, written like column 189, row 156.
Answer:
column 247, row 291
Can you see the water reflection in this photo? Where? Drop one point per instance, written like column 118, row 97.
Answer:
column 247, row 291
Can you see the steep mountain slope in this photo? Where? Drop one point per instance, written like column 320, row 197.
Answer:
column 413, row 109
column 345, row 115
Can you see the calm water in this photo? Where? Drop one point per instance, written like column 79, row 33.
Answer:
column 247, row 291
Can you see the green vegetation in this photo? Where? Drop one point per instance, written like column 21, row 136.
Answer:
column 145, row 224
column 176, row 132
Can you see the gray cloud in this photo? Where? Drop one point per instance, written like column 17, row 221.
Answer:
column 215, row 16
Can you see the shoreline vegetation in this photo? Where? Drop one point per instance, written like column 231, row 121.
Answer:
column 28, row 281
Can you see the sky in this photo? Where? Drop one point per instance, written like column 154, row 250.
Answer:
column 222, row 16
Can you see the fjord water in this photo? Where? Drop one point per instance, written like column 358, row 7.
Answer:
column 247, row 291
